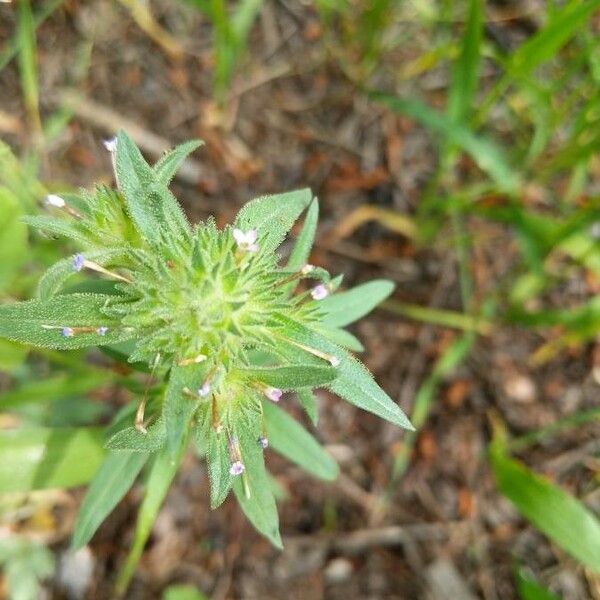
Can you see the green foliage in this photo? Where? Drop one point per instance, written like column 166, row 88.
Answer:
column 553, row 511
column 43, row 458
column 220, row 327
column 529, row 589
column 25, row 564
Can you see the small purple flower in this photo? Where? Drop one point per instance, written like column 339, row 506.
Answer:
column 237, row 468
column 273, row 394
column 102, row 330
column 246, row 241
column 78, row 262
column 319, row 292
column 263, row 442
column 110, row 144
column 204, row 390
column 54, row 200
column 67, row 332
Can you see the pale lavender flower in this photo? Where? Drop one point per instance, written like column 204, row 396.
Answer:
column 78, row 262
column 102, row 330
column 246, row 242
column 273, row 394
column 237, row 468
column 110, row 144
column 263, row 442
column 54, row 200
column 67, row 332
column 204, row 390
column 319, row 292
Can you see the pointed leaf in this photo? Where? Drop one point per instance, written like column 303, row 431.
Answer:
column 51, row 225
column 344, row 308
column 131, row 439
column 218, row 464
column 341, row 337
column 259, row 504
column 151, row 206
column 178, row 407
column 289, row 438
column 305, row 240
column 273, row 216
column 39, row 458
column 170, row 162
column 290, row 377
column 55, row 277
column 160, row 477
column 39, row 322
column 354, row 382
column 110, row 483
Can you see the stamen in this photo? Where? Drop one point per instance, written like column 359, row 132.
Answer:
column 192, row 361
column 92, row 266
column 334, row 361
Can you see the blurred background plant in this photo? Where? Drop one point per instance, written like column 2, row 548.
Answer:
column 454, row 149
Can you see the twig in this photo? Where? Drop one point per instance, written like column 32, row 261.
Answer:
column 110, row 122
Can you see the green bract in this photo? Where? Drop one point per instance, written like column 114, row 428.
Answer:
column 212, row 313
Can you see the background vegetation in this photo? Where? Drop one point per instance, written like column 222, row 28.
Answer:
column 454, row 149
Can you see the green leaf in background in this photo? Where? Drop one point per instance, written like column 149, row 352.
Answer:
column 13, row 238
column 273, row 216
column 304, row 241
column 41, row 458
column 545, row 44
column 465, row 73
column 11, row 355
column 183, row 592
column 559, row 515
column 290, row 377
column 344, row 308
column 529, row 589
column 489, row 157
column 253, row 489
column 159, row 481
column 40, row 322
column 291, row 440
column 110, row 483
column 170, row 162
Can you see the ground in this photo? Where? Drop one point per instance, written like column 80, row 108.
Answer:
column 294, row 118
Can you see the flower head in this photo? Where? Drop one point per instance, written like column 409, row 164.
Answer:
column 110, row 144
column 263, row 442
column 54, row 200
column 319, row 292
column 246, row 242
column 102, row 330
column 67, row 332
column 78, row 262
column 237, row 468
column 273, row 394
